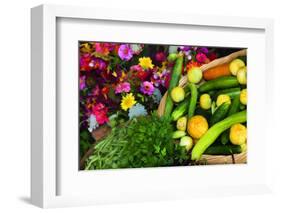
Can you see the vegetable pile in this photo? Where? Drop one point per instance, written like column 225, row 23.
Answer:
column 212, row 118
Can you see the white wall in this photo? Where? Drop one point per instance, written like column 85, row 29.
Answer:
column 15, row 98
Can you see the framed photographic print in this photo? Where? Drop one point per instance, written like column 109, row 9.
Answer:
column 137, row 106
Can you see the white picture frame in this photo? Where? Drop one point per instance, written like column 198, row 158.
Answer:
column 46, row 168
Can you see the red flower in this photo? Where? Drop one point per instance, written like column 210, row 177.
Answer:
column 85, row 61
column 100, row 112
column 139, row 72
column 142, row 75
column 105, row 90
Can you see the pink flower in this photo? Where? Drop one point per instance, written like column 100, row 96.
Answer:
column 123, row 87
column 147, row 88
column 136, row 68
column 100, row 111
column 82, row 82
column 102, row 48
column 201, row 57
column 125, row 52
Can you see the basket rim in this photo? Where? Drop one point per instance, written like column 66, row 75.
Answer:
column 216, row 159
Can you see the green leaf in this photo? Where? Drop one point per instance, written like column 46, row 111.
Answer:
column 157, row 149
column 163, row 152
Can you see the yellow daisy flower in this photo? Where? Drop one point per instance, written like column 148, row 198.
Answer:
column 128, row 101
column 146, row 63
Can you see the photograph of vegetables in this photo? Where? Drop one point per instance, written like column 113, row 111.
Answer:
column 149, row 105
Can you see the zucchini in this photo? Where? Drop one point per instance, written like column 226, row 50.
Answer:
column 219, row 83
column 232, row 92
column 220, row 113
column 193, row 100
column 212, row 134
column 180, row 110
column 234, row 107
column 178, row 134
column 223, row 150
column 173, row 83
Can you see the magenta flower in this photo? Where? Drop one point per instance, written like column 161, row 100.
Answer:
column 147, row 88
column 100, row 111
column 125, row 52
column 102, row 48
column 82, row 82
column 123, row 87
column 160, row 57
column 201, row 57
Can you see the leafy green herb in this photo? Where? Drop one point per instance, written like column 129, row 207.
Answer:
column 142, row 142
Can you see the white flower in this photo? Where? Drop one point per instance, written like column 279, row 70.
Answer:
column 93, row 124
column 137, row 110
column 137, row 48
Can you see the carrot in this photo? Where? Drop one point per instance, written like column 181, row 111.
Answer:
column 215, row 72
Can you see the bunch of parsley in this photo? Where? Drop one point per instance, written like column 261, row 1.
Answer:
column 141, row 142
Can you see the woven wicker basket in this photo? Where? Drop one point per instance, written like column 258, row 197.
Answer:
column 212, row 159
